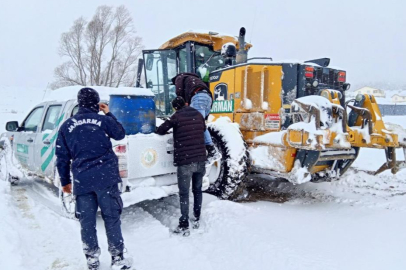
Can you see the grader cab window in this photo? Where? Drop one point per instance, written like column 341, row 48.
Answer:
column 160, row 68
column 183, row 64
column 206, row 61
column 162, row 65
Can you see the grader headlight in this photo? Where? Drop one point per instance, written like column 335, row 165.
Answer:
column 359, row 97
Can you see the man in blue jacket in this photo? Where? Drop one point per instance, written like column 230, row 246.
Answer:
column 83, row 147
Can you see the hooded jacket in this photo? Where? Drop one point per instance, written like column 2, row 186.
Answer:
column 188, row 135
column 83, row 146
column 187, row 84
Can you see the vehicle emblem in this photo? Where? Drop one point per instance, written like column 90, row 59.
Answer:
column 149, row 158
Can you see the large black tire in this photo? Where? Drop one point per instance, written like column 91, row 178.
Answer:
column 233, row 170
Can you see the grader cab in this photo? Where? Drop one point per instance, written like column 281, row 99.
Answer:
column 293, row 118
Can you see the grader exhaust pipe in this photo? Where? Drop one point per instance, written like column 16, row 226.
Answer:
column 242, row 53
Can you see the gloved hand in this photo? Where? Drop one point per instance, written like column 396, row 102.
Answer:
column 67, row 188
column 104, row 108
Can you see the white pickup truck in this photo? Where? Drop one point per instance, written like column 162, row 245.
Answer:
column 145, row 160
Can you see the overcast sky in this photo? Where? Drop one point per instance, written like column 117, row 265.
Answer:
column 365, row 37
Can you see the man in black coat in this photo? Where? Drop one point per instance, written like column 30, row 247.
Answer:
column 84, row 147
column 190, row 157
column 197, row 94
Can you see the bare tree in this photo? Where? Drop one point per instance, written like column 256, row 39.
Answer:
column 103, row 51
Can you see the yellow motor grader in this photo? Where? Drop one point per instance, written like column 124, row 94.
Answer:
column 286, row 119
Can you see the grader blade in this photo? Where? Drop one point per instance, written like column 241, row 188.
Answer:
column 390, row 161
column 400, row 164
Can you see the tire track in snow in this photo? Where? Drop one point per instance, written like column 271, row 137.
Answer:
column 228, row 238
column 42, row 230
column 356, row 187
column 154, row 247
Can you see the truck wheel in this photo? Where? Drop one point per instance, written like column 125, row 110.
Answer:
column 6, row 163
column 68, row 203
column 4, row 174
column 227, row 174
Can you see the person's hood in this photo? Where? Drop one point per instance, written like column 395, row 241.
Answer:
column 184, row 74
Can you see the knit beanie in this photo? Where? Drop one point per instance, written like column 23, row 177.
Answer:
column 89, row 98
column 178, row 103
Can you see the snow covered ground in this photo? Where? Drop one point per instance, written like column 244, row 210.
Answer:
column 357, row 223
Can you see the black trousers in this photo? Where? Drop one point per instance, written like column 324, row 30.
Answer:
column 195, row 172
column 111, row 205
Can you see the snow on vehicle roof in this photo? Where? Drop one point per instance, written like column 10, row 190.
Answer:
column 70, row 92
column 302, row 62
column 214, row 33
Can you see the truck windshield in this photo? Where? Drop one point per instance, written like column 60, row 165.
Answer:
column 160, row 68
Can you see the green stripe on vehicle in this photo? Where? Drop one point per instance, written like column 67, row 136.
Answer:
column 59, row 120
column 45, row 148
column 22, row 148
column 48, row 160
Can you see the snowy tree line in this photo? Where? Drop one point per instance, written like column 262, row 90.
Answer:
column 102, row 51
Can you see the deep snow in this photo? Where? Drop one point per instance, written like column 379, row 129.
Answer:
column 357, row 223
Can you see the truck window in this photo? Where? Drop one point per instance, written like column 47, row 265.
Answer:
column 51, row 117
column 75, row 110
column 32, row 121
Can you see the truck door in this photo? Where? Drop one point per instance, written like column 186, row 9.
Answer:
column 160, row 68
column 45, row 140
column 25, row 138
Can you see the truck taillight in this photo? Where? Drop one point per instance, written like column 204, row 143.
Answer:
column 309, row 72
column 124, row 174
column 341, row 76
column 120, row 149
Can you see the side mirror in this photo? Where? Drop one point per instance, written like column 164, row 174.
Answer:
column 150, row 62
column 346, row 86
column 12, row 126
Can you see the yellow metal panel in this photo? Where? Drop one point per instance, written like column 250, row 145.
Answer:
column 259, row 83
column 250, row 135
column 285, row 157
column 379, row 137
column 319, row 168
column 217, row 41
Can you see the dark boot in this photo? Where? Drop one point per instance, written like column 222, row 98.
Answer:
column 196, row 223
column 93, row 262
column 184, row 231
column 119, row 262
